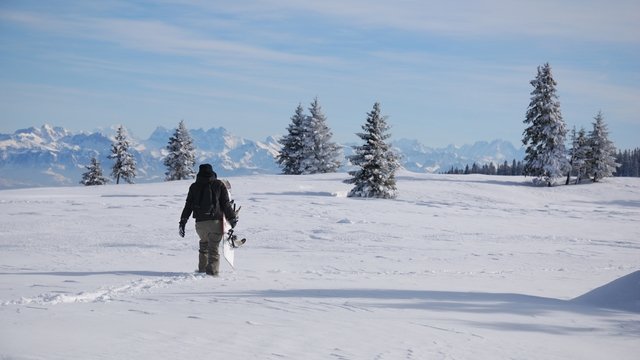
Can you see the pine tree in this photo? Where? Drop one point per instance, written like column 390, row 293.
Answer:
column 181, row 157
column 625, row 160
column 629, row 161
column 545, row 137
column 578, row 154
column 290, row 156
column 93, row 176
column 572, row 153
column 376, row 160
column 580, row 161
column 602, row 160
column 125, row 164
column 319, row 153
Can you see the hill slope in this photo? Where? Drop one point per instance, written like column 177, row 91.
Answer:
column 457, row 267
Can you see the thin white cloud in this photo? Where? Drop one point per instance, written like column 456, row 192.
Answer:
column 585, row 20
column 279, row 52
column 592, row 92
column 159, row 37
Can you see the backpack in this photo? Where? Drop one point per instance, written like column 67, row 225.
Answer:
column 205, row 201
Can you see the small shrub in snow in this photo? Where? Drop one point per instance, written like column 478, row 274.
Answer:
column 93, row 176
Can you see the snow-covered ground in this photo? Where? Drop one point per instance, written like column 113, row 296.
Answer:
column 458, row 267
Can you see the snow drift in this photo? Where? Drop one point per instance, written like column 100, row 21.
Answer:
column 620, row 294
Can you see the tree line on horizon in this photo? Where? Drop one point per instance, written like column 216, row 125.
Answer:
column 124, row 165
column 589, row 156
column 516, row 168
column 547, row 159
column 308, row 148
column 629, row 161
column 180, row 159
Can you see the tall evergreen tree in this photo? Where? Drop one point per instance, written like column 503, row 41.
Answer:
column 125, row 164
column 580, row 153
column 545, row 135
column 376, row 160
column 602, row 158
column 623, row 158
column 290, row 156
column 634, row 163
column 572, row 153
column 93, row 176
column 319, row 154
column 182, row 156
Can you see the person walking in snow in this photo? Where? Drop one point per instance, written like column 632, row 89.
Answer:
column 208, row 200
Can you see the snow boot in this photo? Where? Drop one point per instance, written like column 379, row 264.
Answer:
column 213, row 265
column 211, row 269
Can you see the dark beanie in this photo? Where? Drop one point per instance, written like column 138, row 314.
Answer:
column 206, row 170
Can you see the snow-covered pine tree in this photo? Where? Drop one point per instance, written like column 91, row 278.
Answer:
column 545, row 157
column 124, row 165
column 93, row 176
column 376, row 160
column 319, row 154
column 602, row 157
column 579, row 154
column 571, row 152
column 290, row 156
column 182, row 156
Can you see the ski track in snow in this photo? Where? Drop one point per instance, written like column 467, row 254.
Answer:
column 107, row 294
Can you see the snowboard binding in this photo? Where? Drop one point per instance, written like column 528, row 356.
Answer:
column 233, row 240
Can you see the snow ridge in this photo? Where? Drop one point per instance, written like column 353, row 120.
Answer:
column 620, row 294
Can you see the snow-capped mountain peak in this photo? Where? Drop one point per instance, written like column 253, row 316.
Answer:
column 51, row 155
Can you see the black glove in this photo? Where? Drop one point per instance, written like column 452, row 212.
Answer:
column 183, row 222
column 233, row 222
column 236, row 210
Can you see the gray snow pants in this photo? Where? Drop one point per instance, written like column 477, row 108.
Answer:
column 210, row 233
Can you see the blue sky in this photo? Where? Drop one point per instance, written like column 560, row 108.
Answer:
column 444, row 72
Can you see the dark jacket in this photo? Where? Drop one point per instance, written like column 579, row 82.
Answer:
column 219, row 191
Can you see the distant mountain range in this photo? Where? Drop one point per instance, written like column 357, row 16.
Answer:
column 54, row 156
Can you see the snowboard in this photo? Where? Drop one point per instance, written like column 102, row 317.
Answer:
column 230, row 241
